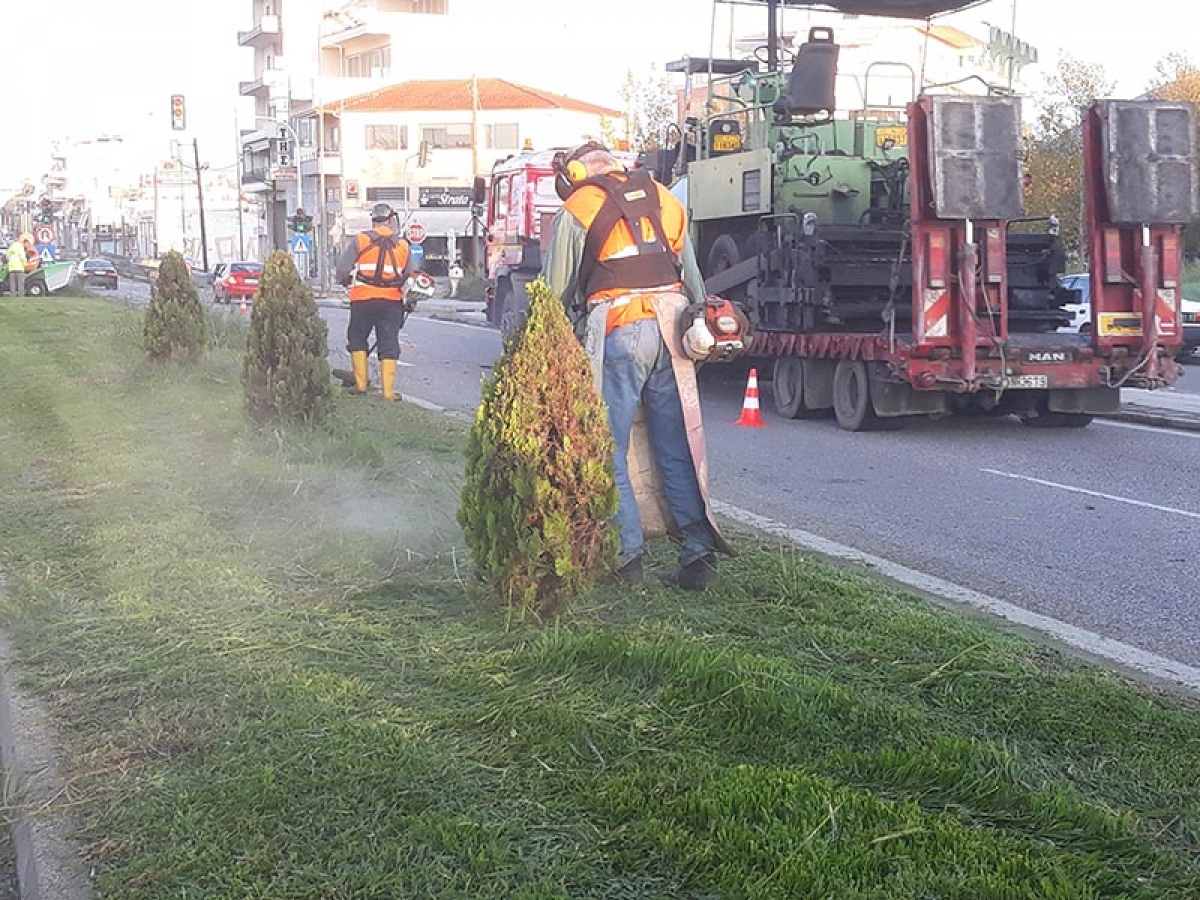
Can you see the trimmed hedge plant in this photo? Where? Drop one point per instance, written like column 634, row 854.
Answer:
column 285, row 376
column 174, row 327
column 539, row 495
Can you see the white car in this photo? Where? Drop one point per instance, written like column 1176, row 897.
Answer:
column 1081, row 311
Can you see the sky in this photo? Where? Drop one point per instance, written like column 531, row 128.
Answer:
column 93, row 67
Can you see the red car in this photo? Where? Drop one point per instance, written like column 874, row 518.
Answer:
column 236, row 280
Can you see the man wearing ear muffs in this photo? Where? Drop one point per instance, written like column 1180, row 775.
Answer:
column 375, row 266
column 619, row 254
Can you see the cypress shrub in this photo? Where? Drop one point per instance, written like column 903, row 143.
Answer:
column 174, row 326
column 539, row 495
column 286, row 374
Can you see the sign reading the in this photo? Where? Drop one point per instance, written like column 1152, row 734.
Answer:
column 416, row 233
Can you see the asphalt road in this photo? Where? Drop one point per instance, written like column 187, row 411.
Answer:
column 1098, row 527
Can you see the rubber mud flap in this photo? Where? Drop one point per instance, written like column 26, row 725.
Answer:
column 1093, row 401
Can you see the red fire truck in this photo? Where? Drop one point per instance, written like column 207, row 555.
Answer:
column 521, row 204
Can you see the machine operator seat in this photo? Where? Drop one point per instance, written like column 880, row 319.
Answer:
column 810, row 86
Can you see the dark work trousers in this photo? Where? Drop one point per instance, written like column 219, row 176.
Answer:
column 385, row 317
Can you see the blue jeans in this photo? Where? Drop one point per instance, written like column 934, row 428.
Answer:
column 637, row 370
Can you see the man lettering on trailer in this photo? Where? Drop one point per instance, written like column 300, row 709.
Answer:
column 619, row 253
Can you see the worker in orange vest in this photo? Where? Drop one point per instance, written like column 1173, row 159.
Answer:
column 375, row 266
column 619, row 255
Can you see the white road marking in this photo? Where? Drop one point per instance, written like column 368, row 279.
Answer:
column 1125, row 655
column 1156, row 429
column 1098, row 494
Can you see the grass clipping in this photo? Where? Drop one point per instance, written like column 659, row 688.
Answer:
column 540, row 494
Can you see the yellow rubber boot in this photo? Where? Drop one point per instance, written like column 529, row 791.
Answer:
column 358, row 361
column 387, row 377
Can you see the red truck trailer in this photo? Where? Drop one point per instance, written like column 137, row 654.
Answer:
column 884, row 260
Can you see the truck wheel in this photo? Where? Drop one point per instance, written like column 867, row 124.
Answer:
column 723, row 254
column 510, row 314
column 852, row 397
column 787, row 388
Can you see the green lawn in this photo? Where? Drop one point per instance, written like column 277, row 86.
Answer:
column 272, row 682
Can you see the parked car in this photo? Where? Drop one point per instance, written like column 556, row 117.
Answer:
column 1081, row 310
column 96, row 271
column 236, row 280
column 1190, row 310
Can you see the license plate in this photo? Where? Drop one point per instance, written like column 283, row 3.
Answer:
column 251, row 281
column 726, row 143
column 1026, row 382
column 898, row 135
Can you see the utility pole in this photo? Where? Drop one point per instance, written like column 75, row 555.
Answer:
column 237, row 161
column 200, row 195
column 474, row 125
column 1012, row 60
column 322, row 235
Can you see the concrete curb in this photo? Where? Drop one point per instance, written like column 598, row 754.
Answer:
column 49, row 864
column 1158, row 418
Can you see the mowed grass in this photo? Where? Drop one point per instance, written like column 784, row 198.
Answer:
column 271, row 681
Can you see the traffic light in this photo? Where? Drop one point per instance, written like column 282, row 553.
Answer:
column 301, row 222
column 178, row 113
column 46, row 213
column 423, row 155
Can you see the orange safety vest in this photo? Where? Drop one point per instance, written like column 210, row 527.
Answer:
column 374, row 261
column 632, row 303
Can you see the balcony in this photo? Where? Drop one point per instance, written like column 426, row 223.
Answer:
column 272, row 82
column 265, row 33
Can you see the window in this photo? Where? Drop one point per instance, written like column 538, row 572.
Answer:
column 447, row 137
column 500, row 198
column 387, row 137
column 370, row 64
column 391, row 194
column 306, row 131
column 504, row 137
column 427, row 7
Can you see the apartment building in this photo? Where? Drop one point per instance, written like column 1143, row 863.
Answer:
column 417, row 146
column 307, row 54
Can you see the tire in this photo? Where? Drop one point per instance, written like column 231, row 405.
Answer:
column 36, row 289
column 852, row 397
column 510, row 315
column 723, row 254
column 787, row 389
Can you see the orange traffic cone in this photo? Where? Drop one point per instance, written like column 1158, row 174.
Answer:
column 750, row 414
column 243, row 308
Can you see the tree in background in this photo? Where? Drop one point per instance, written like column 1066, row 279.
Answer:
column 285, row 375
column 540, row 494
column 1055, row 150
column 174, row 326
column 1178, row 78
column 651, row 111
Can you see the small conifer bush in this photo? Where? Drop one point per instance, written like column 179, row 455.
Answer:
column 285, row 375
column 174, row 327
column 539, row 495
